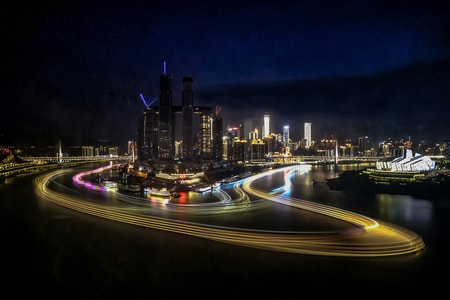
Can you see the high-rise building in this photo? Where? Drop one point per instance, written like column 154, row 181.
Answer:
column 147, row 137
column 363, row 144
column 233, row 134
column 307, row 136
column 239, row 149
column 166, row 119
column 285, row 136
column 217, row 135
column 270, row 144
column 205, row 137
column 187, row 106
column 241, row 132
column 157, row 127
column 250, row 125
column 257, row 150
column 266, row 130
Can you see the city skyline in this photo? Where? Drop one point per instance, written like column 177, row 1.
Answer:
column 90, row 210
column 375, row 68
column 254, row 127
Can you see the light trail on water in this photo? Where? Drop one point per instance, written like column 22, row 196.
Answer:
column 368, row 237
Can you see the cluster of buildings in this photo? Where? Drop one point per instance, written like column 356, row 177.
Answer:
column 202, row 128
column 203, row 137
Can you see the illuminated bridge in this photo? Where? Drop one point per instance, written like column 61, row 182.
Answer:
column 324, row 159
column 50, row 159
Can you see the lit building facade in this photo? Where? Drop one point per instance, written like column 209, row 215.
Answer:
column 307, row 137
column 205, row 136
column 232, row 136
column 239, row 150
column 257, row 150
column 285, row 135
column 266, row 126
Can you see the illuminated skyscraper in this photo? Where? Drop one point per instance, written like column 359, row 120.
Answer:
column 206, row 122
column 308, row 134
column 266, row 130
column 285, row 135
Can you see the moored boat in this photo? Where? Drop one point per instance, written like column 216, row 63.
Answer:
column 163, row 192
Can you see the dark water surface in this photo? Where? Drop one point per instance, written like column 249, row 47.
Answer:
column 48, row 251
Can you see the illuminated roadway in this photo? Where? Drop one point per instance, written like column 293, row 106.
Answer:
column 366, row 237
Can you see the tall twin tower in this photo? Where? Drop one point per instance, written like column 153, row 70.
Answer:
column 157, row 127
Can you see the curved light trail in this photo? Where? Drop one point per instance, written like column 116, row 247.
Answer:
column 375, row 237
column 369, row 238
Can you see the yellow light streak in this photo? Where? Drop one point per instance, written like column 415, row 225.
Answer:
column 368, row 238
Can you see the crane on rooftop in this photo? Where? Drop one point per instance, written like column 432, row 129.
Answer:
column 145, row 102
column 217, row 111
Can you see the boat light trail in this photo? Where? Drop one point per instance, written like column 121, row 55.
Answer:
column 369, row 238
column 78, row 178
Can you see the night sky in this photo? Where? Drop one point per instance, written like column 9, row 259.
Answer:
column 376, row 68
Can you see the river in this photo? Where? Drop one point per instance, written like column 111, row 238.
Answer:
column 49, row 251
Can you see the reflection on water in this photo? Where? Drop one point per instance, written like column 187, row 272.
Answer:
column 311, row 185
column 67, row 251
column 404, row 208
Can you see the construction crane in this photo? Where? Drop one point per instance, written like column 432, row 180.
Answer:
column 217, row 112
column 145, row 102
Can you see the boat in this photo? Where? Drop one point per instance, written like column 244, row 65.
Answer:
column 206, row 187
column 163, row 192
column 411, row 174
column 110, row 184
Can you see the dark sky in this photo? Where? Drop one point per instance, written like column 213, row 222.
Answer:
column 376, row 68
